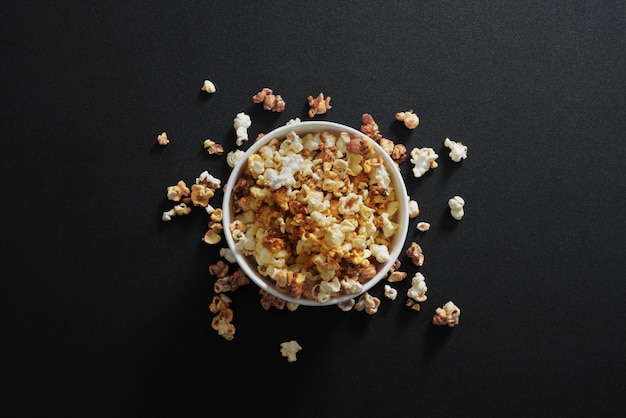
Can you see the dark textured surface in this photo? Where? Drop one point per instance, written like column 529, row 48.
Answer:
column 104, row 306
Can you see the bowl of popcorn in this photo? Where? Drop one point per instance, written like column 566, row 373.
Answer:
column 315, row 213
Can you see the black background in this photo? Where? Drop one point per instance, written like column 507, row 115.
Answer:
column 104, row 306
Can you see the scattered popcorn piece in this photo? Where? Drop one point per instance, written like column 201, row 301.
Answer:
column 456, row 205
column 292, row 306
column 182, row 209
column 211, row 237
column 423, row 159
column 233, row 157
column 414, row 252
column 227, row 253
column 398, row 154
column 213, row 147
column 208, row 86
column 409, row 118
column 413, row 305
column 370, row 127
column 167, row 216
column 368, row 303
column 219, row 269
column 318, row 105
column 418, row 289
column 346, row 305
column 414, row 209
column 396, row 276
column 223, row 316
column 458, row 151
column 270, row 101
column 241, row 123
column 162, row 139
column 268, row 301
column 447, row 315
column 289, row 349
column 423, row 226
column 390, row 292
column 177, row 192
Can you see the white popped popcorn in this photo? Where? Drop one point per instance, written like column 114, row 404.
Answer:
column 233, row 157
column 423, row 160
column 241, row 123
column 418, row 289
column 289, row 349
column 390, row 292
column 458, row 151
column 414, row 209
column 228, row 255
column 208, row 86
column 423, row 226
column 456, row 205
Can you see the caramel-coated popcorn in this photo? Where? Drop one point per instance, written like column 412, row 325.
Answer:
column 271, row 101
column 318, row 105
column 316, row 212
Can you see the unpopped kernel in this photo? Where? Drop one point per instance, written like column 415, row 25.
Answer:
column 316, row 212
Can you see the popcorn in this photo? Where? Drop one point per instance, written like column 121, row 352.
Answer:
column 317, row 220
column 177, row 192
column 208, row 86
column 228, row 255
column 268, row 301
column 418, row 289
column 289, row 349
column 346, row 305
column 272, row 102
column 241, row 123
column 409, row 118
column 181, row 209
column 423, row 226
column 233, row 157
column 368, row 303
column 318, row 105
column 396, row 276
column 458, row 151
column 414, row 209
column 293, row 121
column 423, row 159
column 223, row 316
column 456, row 205
column 211, row 237
column 162, row 139
column 447, row 315
column 370, row 127
column 390, row 292
column 414, row 252
column 212, row 147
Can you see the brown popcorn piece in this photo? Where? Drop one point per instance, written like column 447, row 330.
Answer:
column 413, row 305
column 162, row 139
column 222, row 321
column 370, row 127
column 398, row 154
column 211, row 237
column 201, row 194
column 396, row 276
column 213, row 147
column 318, row 105
column 219, row 269
column 270, row 101
column 268, row 301
column 238, row 279
column 414, row 252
